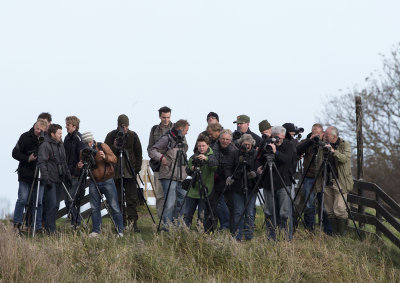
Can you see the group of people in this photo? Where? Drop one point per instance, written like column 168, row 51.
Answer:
column 222, row 179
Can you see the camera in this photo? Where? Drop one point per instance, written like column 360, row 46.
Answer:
column 267, row 141
column 179, row 137
column 236, row 135
column 197, row 162
column 88, row 156
column 298, row 132
column 120, row 140
column 41, row 137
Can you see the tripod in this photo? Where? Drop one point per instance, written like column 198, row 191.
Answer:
column 270, row 164
column 203, row 192
column 87, row 173
column 180, row 160
column 324, row 166
column 28, row 207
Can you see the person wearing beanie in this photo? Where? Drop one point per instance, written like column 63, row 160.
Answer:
column 132, row 147
column 265, row 128
column 212, row 118
column 103, row 174
column 73, row 145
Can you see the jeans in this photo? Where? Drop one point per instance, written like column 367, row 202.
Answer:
column 309, row 211
column 220, row 209
column 223, row 213
column 54, row 194
column 190, row 207
column 283, row 212
column 110, row 192
column 23, row 194
column 173, row 202
column 246, row 225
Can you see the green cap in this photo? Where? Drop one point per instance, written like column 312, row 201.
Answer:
column 264, row 125
column 241, row 119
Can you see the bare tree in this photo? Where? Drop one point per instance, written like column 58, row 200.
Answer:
column 381, row 122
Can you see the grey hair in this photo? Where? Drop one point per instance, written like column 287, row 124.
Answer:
column 334, row 130
column 276, row 130
column 247, row 137
column 225, row 132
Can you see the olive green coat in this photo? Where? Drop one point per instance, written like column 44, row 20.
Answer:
column 342, row 157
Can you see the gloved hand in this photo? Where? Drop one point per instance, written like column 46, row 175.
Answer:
column 251, row 175
column 229, row 181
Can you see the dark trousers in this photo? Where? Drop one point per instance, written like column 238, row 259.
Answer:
column 54, row 194
column 131, row 199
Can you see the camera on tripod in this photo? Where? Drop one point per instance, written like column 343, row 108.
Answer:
column 298, row 132
column 40, row 141
column 120, row 140
column 322, row 144
column 236, row 135
column 197, row 163
column 88, row 156
column 267, row 141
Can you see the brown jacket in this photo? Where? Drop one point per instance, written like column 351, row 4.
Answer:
column 104, row 167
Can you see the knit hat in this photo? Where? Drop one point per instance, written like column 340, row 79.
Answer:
column 289, row 127
column 264, row 125
column 213, row 114
column 123, row 119
column 87, row 137
column 242, row 119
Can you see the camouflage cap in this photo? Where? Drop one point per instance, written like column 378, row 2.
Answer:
column 241, row 119
column 264, row 125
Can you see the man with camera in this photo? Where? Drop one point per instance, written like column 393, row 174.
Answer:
column 225, row 152
column 280, row 151
column 157, row 131
column 166, row 150
column 309, row 148
column 125, row 144
column 73, row 145
column 101, row 160
column 53, row 166
column 26, row 151
column 243, row 123
column 339, row 157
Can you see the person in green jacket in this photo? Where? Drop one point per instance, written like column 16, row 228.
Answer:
column 340, row 160
column 201, row 167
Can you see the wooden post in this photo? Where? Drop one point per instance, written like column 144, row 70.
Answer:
column 360, row 154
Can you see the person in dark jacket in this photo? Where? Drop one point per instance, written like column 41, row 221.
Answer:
column 73, row 145
column 156, row 132
column 25, row 151
column 133, row 148
column 205, row 163
column 243, row 123
column 225, row 152
column 309, row 148
column 282, row 153
column 55, row 174
column 242, row 184
column 103, row 173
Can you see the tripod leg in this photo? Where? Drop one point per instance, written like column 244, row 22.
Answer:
column 70, row 198
column 36, row 205
column 345, row 201
column 28, row 207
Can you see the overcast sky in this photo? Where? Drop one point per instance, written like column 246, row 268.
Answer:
column 274, row 60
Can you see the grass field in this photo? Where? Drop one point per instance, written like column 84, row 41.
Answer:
column 185, row 255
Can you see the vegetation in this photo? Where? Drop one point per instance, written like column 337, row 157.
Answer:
column 185, row 255
column 381, row 123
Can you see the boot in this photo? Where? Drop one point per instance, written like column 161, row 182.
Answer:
column 341, row 225
column 334, row 224
column 135, row 227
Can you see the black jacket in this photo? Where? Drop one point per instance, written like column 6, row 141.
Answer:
column 283, row 161
column 226, row 160
column 52, row 162
column 73, row 145
column 308, row 147
column 27, row 144
column 133, row 149
column 249, row 160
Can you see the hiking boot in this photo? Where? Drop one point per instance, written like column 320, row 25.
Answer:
column 135, row 227
column 17, row 230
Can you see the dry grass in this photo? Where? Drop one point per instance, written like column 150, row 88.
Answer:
column 186, row 256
